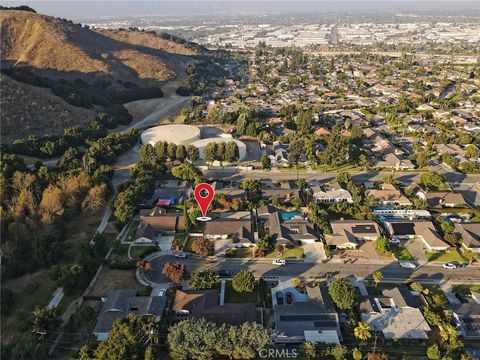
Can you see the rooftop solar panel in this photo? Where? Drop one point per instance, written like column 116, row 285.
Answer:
column 325, row 324
column 364, row 229
column 403, row 228
column 307, row 317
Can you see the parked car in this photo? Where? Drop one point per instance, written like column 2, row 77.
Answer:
column 181, row 255
column 279, row 296
column 279, row 262
column 450, row 266
column 158, row 292
column 289, row 297
column 408, row 265
column 224, row 273
column 394, row 241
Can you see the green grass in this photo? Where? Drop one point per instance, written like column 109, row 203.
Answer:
column 37, row 293
column 132, row 230
column 467, row 289
column 402, row 253
column 139, row 251
column 447, row 256
column 290, row 253
column 231, row 296
column 242, row 253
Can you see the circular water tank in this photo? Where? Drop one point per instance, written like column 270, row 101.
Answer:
column 176, row 133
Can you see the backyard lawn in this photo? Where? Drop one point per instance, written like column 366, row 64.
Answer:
column 447, row 256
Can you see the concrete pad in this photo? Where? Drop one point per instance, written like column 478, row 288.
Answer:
column 165, row 243
column 314, row 252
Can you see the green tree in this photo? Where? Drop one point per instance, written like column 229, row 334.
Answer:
column 203, row 279
column 471, row 151
column 416, row 286
column 181, row 153
column 377, row 277
column 266, row 163
column 129, row 339
column 232, row 152
column 339, row 352
column 244, row 281
column 362, row 331
column 172, row 151
column 192, row 153
column 210, row 152
column 343, row 293
column 433, row 352
column 309, row 350
column 357, row 354
column 432, row 180
column 186, row 172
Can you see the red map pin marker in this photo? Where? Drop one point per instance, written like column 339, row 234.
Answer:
column 204, row 194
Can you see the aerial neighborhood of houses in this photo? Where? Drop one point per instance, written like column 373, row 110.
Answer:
column 344, row 175
column 348, row 203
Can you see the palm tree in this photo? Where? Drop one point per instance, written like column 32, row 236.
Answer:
column 362, row 331
column 377, row 277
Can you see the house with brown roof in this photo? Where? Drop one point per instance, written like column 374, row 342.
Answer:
column 346, row 234
column 239, row 231
column 437, row 199
column 286, row 231
column 206, row 304
column 389, row 194
column 417, row 229
column 469, row 234
column 156, row 221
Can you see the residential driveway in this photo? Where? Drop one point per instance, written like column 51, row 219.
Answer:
column 314, row 252
column 222, row 245
column 415, row 247
column 284, row 287
column 165, row 243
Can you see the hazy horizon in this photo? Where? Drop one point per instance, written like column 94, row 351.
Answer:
column 96, row 9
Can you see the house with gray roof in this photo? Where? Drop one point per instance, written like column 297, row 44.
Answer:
column 467, row 319
column 239, row 231
column 395, row 314
column 120, row 303
column 315, row 320
column 423, row 230
column 332, row 193
column 346, row 234
column 286, row 231
column 469, row 233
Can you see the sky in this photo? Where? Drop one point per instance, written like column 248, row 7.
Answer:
column 91, row 9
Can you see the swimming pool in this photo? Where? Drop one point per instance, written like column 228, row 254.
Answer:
column 288, row 215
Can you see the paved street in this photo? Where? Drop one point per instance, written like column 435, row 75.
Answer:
column 391, row 271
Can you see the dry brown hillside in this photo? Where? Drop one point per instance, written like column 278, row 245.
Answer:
column 146, row 39
column 61, row 49
column 26, row 109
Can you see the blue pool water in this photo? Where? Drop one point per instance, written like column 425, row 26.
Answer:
column 290, row 215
